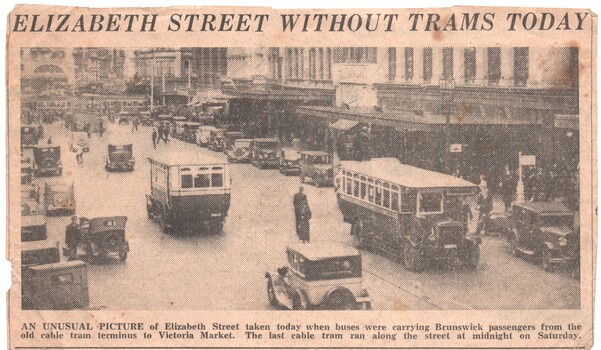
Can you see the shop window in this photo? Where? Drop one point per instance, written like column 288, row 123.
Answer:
column 447, row 63
column 391, row 64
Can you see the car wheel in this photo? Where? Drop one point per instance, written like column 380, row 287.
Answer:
column 297, row 302
column 123, row 255
column 163, row 222
column 302, row 178
column 271, row 294
column 411, row 258
column 357, row 233
column 341, row 299
column 472, row 256
column 318, row 180
column 546, row 260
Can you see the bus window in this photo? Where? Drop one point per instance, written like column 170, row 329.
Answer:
column 378, row 193
column 356, row 186
column 216, row 180
column 394, row 199
column 349, row 186
column 201, row 181
column 370, row 190
column 430, row 202
column 386, row 200
column 363, row 189
column 186, row 181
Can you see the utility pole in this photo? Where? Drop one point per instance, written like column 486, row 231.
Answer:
column 163, row 82
column 189, row 82
column 152, row 85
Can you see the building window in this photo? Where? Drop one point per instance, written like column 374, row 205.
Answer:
column 520, row 65
column 427, row 64
column 288, row 54
column 328, row 64
column 408, row 63
column 312, row 64
column 447, row 63
column 320, row 64
column 355, row 55
column 494, row 65
column 392, row 64
column 469, row 59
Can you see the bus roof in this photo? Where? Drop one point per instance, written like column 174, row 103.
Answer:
column 265, row 139
column 391, row 170
column 316, row 153
column 187, row 158
column 553, row 208
column 323, row 250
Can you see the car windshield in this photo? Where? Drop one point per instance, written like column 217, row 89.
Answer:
column 335, row 268
column 267, row 145
column 242, row 143
column 556, row 220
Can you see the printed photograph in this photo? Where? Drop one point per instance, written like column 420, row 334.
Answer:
column 300, row 178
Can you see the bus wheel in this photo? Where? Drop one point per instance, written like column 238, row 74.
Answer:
column 412, row 259
column 215, row 227
column 546, row 260
column 357, row 233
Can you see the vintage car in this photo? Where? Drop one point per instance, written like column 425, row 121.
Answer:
column 229, row 137
column 319, row 276
column 216, row 141
column 26, row 165
column 289, row 161
column 316, row 167
column 407, row 213
column 30, row 135
column 145, row 119
column 55, row 286
column 59, row 199
column 265, row 152
column 188, row 191
column 239, row 151
column 33, row 228
column 79, row 139
column 120, row 157
column 203, row 135
column 30, row 200
column 124, row 118
column 545, row 230
column 47, row 160
column 100, row 237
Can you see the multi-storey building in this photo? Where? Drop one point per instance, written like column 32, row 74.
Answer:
column 177, row 73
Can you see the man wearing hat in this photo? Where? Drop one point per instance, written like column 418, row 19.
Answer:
column 299, row 198
column 73, row 237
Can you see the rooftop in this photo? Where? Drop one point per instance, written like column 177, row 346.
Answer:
column 392, row 170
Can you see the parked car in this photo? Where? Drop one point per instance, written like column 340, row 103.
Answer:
column 289, row 161
column 203, row 135
column 316, row 167
column 101, row 237
column 33, row 228
column 30, row 200
column 120, row 157
column 124, row 118
column 319, row 276
column 190, row 129
column 239, row 151
column 265, row 152
column 545, row 230
column 30, row 135
column 229, row 137
column 407, row 213
column 55, row 286
column 145, row 119
column 47, row 160
column 188, row 191
column 216, row 141
column 59, row 199
column 26, row 165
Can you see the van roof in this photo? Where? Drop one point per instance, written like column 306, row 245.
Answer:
column 391, row 170
column 187, row 158
column 323, row 250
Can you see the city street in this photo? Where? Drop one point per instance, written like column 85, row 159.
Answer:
column 226, row 271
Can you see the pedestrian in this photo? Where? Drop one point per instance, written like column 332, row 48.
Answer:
column 166, row 133
column 101, row 127
column 484, row 207
column 507, row 186
column 87, row 128
column 154, row 138
column 304, row 226
column 79, row 156
column 299, row 198
column 296, row 143
column 73, row 237
column 50, row 140
column 465, row 213
column 483, row 183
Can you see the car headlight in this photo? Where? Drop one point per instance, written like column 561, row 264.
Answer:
column 563, row 241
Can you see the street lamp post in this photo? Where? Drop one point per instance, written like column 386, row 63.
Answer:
column 189, row 82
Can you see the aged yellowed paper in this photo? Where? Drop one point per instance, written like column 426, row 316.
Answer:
column 241, row 177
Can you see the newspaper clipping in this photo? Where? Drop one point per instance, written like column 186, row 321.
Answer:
column 245, row 177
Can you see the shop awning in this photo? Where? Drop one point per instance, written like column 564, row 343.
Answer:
column 344, row 125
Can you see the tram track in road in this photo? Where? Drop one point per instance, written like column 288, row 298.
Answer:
column 424, row 298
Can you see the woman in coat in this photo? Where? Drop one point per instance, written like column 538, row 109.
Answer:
column 304, row 227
